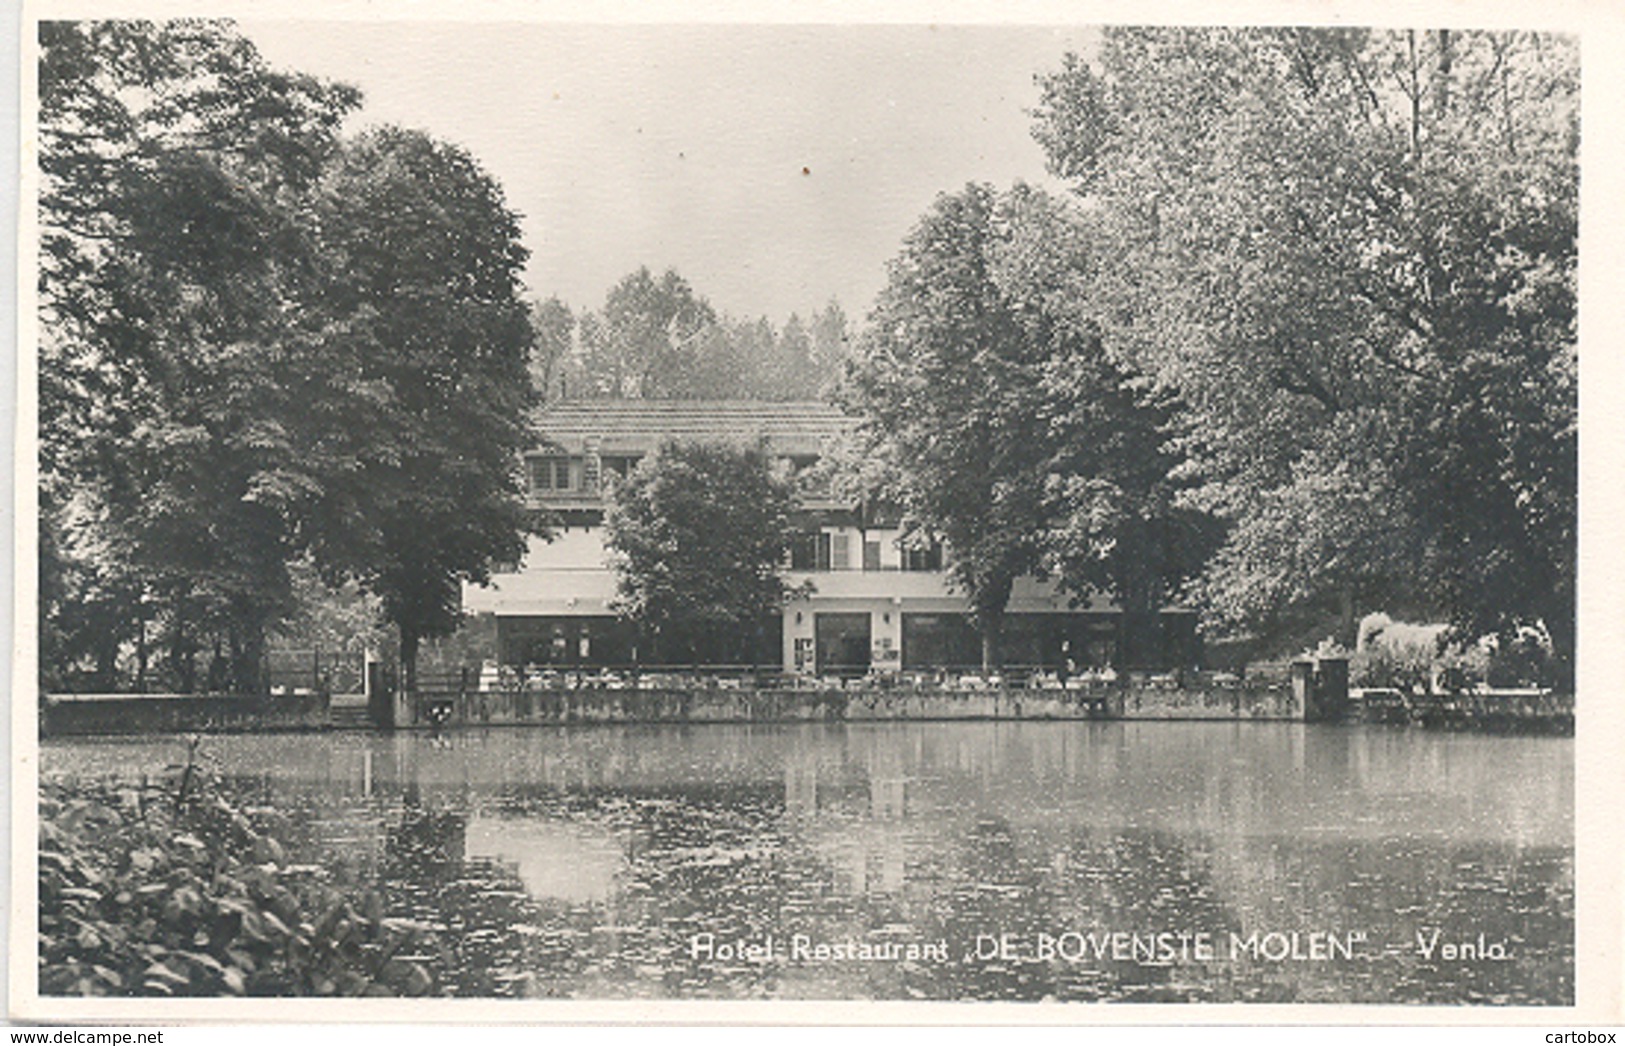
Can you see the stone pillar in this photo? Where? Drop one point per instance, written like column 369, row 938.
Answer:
column 1303, row 690
column 382, row 697
column 592, row 466
column 1321, row 689
column 1332, row 688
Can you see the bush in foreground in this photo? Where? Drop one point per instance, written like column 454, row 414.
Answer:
column 174, row 890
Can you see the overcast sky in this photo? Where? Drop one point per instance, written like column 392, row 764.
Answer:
column 775, row 167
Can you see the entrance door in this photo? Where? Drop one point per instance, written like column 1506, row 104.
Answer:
column 843, row 644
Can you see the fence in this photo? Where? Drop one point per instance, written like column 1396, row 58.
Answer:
column 491, row 678
column 313, row 672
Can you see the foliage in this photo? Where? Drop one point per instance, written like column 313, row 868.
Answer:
column 647, row 339
column 262, row 346
column 173, row 267
column 422, row 276
column 1393, row 654
column 1353, row 253
column 1004, row 426
column 699, row 534
column 553, row 369
column 331, row 617
column 172, row 889
column 657, row 338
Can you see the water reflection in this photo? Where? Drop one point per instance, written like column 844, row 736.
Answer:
column 587, row 862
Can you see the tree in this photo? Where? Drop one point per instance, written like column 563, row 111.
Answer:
column 643, row 343
column 174, row 262
column 1008, row 431
column 1353, row 254
column 422, row 282
column 830, row 352
column 554, row 371
column 789, row 372
column 699, row 534
column 657, row 338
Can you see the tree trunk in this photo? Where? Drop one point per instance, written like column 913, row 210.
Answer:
column 1561, row 628
column 992, row 625
column 1347, row 626
column 248, row 658
column 183, row 654
column 409, row 660
column 989, row 604
column 107, row 662
column 141, row 651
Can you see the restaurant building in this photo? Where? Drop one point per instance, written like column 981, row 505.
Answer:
column 878, row 603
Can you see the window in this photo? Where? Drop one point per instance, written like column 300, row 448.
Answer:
column 554, row 474
column 804, row 552
column 928, row 559
column 871, row 555
column 821, row 551
column 840, row 552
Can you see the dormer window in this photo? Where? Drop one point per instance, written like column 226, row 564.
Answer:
column 554, row 474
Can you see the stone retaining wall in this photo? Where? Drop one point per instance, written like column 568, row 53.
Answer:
column 73, row 714
column 858, row 705
column 80, row 714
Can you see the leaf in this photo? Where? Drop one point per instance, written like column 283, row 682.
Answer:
column 204, row 960
column 159, row 972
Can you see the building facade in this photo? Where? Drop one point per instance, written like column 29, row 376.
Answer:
column 878, row 603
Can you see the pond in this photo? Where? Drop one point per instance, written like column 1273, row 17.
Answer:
column 1162, row 862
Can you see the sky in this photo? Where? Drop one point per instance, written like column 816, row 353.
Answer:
column 775, row 167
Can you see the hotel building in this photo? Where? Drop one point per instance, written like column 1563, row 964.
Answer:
column 877, row 604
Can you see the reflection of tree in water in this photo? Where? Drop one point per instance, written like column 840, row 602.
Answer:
column 479, row 907
column 1021, row 882
column 726, row 862
column 1390, row 889
column 840, row 849
column 425, row 845
column 708, row 861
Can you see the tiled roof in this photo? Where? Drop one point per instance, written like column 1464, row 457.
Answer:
column 638, row 426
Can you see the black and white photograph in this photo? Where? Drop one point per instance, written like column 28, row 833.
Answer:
column 543, row 518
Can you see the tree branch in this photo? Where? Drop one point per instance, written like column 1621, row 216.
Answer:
column 1307, row 385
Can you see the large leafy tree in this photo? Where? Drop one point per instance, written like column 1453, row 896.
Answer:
column 422, row 286
column 1005, row 427
column 174, row 264
column 646, row 340
column 1353, row 253
column 699, row 534
column 658, row 338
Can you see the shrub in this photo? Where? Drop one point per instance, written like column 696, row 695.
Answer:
column 1395, row 655
column 173, row 890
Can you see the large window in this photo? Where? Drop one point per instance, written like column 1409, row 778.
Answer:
column 549, row 474
column 940, row 641
column 821, row 551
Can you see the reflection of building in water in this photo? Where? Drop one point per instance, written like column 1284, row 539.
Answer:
column 801, row 784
